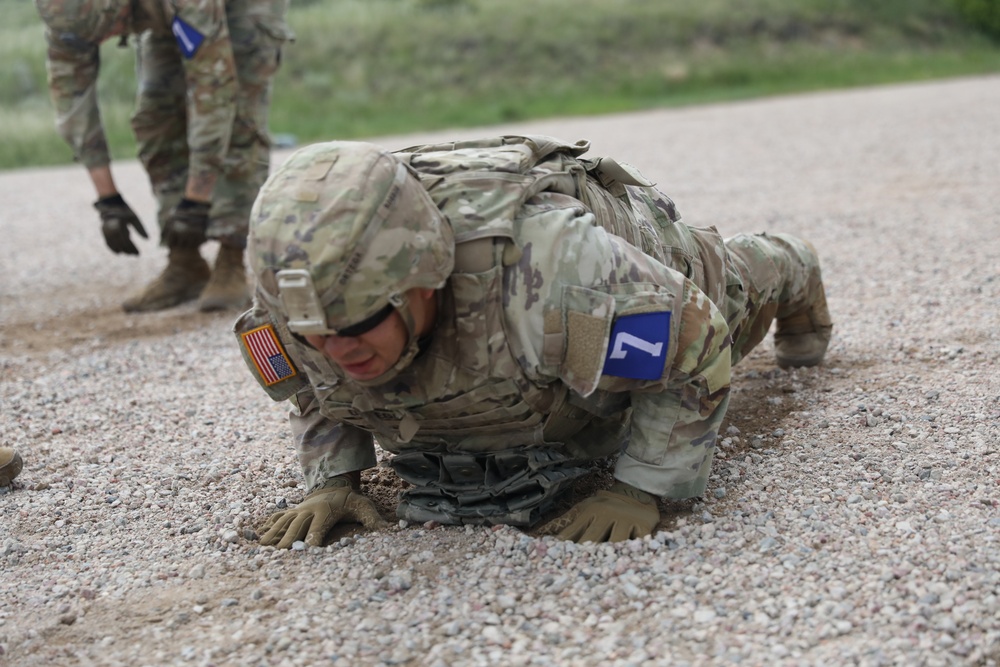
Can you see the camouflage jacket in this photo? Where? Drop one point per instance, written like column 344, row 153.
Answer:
column 204, row 48
column 587, row 317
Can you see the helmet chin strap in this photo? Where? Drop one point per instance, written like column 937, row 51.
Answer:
column 402, row 305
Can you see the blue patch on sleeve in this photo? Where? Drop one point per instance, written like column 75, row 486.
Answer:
column 638, row 347
column 187, row 37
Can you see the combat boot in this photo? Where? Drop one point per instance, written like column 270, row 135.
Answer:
column 801, row 338
column 227, row 288
column 182, row 280
column 10, row 465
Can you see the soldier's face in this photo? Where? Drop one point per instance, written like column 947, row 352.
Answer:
column 367, row 356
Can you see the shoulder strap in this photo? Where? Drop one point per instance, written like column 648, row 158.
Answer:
column 481, row 184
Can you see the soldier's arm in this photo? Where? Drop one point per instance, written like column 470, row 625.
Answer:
column 103, row 181
column 210, row 73
column 72, row 72
column 332, row 456
column 675, row 423
column 326, row 448
column 675, row 418
column 582, row 291
column 72, row 77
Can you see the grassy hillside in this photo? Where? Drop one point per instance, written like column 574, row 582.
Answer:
column 366, row 67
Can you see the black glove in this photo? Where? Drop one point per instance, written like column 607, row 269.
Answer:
column 116, row 218
column 185, row 228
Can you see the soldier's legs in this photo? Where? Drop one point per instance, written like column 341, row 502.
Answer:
column 248, row 159
column 160, row 119
column 781, row 279
column 257, row 53
column 160, row 127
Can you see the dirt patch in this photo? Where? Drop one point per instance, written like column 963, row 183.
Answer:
column 95, row 318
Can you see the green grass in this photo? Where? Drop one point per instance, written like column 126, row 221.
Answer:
column 370, row 67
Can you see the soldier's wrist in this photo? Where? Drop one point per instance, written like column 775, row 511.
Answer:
column 632, row 492
column 347, row 479
column 110, row 200
column 194, row 205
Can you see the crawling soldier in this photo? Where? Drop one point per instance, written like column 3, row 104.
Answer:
column 497, row 313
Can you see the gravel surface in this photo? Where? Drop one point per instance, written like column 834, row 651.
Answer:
column 851, row 518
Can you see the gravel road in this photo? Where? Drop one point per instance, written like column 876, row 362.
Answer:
column 853, row 514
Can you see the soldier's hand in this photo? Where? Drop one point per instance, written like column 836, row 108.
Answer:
column 318, row 513
column 187, row 224
column 621, row 513
column 116, row 218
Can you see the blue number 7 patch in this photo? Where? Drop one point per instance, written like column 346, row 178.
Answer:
column 188, row 38
column 638, row 347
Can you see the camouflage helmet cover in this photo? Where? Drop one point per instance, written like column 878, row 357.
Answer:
column 354, row 219
column 81, row 23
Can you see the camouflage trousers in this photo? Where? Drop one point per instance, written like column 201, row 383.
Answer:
column 779, row 275
column 752, row 278
column 758, row 277
column 160, row 121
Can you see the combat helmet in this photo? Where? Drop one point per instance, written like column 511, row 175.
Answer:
column 81, row 23
column 338, row 235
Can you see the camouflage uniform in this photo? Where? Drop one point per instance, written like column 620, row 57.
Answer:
column 581, row 319
column 204, row 69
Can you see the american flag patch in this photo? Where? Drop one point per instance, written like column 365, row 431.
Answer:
column 268, row 355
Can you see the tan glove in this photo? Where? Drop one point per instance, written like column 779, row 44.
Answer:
column 621, row 513
column 319, row 512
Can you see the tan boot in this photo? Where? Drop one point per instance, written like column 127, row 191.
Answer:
column 227, row 288
column 802, row 338
column 182, row 280
column 10, row 465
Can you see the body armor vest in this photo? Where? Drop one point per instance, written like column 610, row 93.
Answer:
column 466, row 392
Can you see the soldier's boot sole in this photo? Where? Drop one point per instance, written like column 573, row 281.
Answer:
column 802, row 338
column 183, row 280
column 227, row 287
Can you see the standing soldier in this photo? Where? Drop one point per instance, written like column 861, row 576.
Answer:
column 497, row 313
column 204, row 70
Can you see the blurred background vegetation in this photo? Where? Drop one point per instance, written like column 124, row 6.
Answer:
column 373, row 67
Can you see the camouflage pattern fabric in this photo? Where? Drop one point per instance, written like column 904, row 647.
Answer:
column 513, row 487
column 372, row 252
column 576, row 251
column 72, row 62
column 201, row 114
